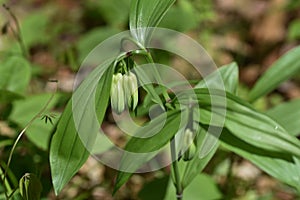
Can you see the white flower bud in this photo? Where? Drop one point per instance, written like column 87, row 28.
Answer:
column 134, row 90
column 117, row 94
column 189, row 144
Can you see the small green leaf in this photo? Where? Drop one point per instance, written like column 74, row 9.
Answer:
column 148, row 147
column 67, row 151
column 30, row 187
column 15, row 74
column 287, row 115
column 283, row 69
column 144, row 15
column 226, row 77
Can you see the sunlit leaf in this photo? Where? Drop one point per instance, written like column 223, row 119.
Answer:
column 145, row 14
column 67, row 151
column 244, row 122
column 283, row 69
column 226, row 77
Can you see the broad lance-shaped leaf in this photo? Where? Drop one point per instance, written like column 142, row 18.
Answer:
column 282, row 166
column 287, row 115
column 225, row 78
column 144, row 15
column 243, row 121
column 140, row 150
column 283, row 69
column 68, row 150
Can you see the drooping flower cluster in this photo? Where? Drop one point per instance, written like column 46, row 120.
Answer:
column 124, row 92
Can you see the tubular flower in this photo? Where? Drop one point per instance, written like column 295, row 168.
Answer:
column 132, row 95
column 117, row 96
column 189, row 144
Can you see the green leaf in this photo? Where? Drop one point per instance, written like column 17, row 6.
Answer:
column 287, row 115
column 279, row 165
column 15, row 74
column 283, row 69
column 203, row 187
column 148, row 147
column 145, row 78
column 39, row 132
column 67, row 151
column 294, row 30
column 115, row 12
column 159, row 185
column 144, row 15
column 7, row 96
column 181, row 17
column 226, row 77
column 30, row 187
column 90, row 40
column 35, row 28
column 243, row 121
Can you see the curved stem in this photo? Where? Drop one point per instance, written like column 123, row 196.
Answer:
column 149, row 58
column 20, row 136
column 17, row 34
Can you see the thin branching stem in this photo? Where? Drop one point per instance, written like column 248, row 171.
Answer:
column 38, row 115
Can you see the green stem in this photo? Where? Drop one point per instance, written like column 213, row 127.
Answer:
column 177, row 181
column 20, row 136
column 149, row 58
column 18, row 33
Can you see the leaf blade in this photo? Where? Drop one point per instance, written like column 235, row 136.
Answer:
column 281, row 70
column 67, row 151
column 145, row 14
column 149, row 146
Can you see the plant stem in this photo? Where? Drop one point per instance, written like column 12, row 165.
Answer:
column 17, row 34
column 177, row 183
column 149, row 58
column 20, row 136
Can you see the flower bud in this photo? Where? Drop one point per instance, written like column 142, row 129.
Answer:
column 30, row 187
column 130, row 90
column 134, row 90
column 189, row 144
column 117, row 98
